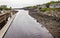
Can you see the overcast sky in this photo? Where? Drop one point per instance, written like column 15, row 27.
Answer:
column 22, row 3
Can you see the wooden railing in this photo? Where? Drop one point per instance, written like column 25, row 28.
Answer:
column 6, row 14
column 4, row 17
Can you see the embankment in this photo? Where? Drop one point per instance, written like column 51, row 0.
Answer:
column 50, row 21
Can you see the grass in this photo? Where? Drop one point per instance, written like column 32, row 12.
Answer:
column 49, row 9
column 43, row 9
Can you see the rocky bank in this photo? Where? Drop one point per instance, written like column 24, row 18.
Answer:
column 49, row 19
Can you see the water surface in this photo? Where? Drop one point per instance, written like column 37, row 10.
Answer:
column 24, row 26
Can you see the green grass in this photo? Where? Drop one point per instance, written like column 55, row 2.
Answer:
column 43, row 9
column 49, row 9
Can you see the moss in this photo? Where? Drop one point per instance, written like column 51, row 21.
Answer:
column 43, row 9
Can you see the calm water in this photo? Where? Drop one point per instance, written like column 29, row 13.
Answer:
column 24, row 26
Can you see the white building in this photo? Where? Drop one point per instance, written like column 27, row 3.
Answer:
column 55, row 5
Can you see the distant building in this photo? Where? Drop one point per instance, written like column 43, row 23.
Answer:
column 55, row 5
column 43, row 6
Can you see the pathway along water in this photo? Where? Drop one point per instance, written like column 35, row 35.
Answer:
column 24, row 26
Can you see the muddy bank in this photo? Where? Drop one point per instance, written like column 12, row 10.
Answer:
column 52, row 23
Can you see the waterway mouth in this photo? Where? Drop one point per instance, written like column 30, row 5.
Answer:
column 25, row 26
column 40, row 24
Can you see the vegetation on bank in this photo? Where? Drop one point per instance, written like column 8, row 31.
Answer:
column 49, row 9
column 4, row 7
column 45, row 9
column 51, row 23
column 52, row 2
column 31, row 7
column 48, row 4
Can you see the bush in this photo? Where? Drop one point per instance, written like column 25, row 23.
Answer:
column 1, row 8
column 4, row 7
column 43, row 9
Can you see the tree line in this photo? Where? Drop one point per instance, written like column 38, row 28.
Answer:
column 4, row 7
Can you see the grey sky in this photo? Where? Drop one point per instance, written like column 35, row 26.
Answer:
column 22, row 3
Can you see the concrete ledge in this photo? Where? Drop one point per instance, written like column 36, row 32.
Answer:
column 5, row 28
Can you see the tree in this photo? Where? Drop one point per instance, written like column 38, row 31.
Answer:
column 4, row 7
column 47, row 4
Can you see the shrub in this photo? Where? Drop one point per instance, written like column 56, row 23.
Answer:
column 43, row 9
column 4, row 7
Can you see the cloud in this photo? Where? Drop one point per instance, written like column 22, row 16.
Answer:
column 22, row 3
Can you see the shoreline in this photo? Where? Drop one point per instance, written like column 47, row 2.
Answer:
column 51, row 23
